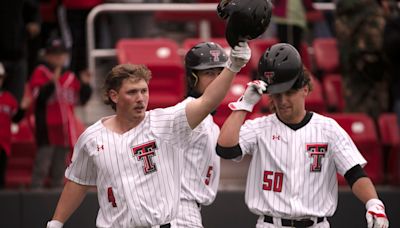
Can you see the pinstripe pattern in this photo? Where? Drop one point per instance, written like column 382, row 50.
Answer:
column 199, row 155
column 280, row 155
column 108, row 160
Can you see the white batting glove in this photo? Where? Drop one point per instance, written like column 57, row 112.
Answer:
column 54, row 224
column 239, row 56
column 250, row 97
column 376, row 217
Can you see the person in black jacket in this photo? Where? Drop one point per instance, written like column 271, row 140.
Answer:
column 19, row 19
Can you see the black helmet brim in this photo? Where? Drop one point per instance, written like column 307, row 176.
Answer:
column 281, row 87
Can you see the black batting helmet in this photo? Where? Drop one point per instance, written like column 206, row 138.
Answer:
column 203, row 56
column 247, row 19
column 281, row 68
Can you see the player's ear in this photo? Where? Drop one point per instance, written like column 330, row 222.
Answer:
column 113, row 95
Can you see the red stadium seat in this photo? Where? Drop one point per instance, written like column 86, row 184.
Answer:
column 326, row 55
column 23, row 150
column 362, row 130
column 315, row 100
column 305, row 55
column 332, row 87
column 390, row 138
column 162, row 58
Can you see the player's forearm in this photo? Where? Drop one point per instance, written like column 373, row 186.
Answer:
column 217, row 90
column 364, row 189
column 198, row 109
column 70, row 199
column 229, row 135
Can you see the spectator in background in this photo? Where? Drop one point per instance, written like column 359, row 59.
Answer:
column 19, row 19
column 56, row 90
column 136, row 24
column 291, row 18
column 9, row 112
column 359, row 28
column 76, row 13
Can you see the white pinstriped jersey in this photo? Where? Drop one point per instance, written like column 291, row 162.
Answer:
column 293, row 172
column 137, row 173
column 201, row 167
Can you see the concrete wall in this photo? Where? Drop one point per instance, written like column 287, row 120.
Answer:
column 32, row 209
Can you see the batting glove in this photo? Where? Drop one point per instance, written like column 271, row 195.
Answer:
column 239, row 56
column 54, row 224
column 250, row 97
column 376, row 217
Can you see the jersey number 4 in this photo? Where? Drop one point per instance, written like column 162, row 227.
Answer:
column 272, row 181
column 111, row 197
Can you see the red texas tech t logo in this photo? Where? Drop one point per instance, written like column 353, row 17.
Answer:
column 144, row 153
column 317, row 152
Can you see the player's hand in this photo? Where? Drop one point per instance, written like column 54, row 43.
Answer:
column 239, row 57
column 376, row 216
column 250, row 97
column 54, row 224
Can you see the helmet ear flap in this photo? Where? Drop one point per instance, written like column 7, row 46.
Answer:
column 194, row 79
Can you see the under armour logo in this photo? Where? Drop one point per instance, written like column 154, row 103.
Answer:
column 215, row 54
column 101, row 147
column 276, row 137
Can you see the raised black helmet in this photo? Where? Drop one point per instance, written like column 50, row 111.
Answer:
column 247, row 19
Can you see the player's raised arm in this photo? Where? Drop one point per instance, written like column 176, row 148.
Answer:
column 228, row 140
column 71, row 197
column 198, row 109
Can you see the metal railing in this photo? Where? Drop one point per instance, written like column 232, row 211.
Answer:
column 204, row 27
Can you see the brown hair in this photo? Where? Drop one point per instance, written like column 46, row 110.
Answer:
column 307, row 81
column 118, row 74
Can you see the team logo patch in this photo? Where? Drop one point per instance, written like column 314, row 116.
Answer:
column 145, row 152
column 215, row 54
column 316, row 153
column 269, row 77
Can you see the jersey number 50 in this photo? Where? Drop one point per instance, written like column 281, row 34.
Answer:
column 272, row 181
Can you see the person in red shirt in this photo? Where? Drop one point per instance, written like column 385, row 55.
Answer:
column 56, row 91
column 9, row 113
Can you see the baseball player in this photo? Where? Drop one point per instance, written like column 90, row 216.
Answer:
column 296, row 153
column 200, row 179
column 135, row 156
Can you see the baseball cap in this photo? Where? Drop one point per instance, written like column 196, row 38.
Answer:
column 55, row 46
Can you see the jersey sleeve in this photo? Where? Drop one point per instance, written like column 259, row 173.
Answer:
column 248, row 137
column 82, row 169
column 171, row 124
column 345, row 153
